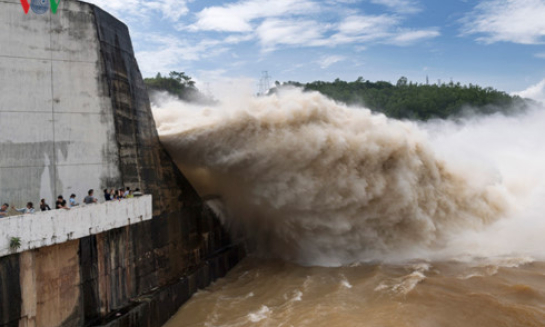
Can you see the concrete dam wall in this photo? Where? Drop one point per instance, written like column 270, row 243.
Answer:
column 75, row 115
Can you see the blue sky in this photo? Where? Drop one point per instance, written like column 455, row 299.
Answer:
column 498, row 43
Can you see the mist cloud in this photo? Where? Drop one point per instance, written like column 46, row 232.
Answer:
column 534, row 92
column 315, row 182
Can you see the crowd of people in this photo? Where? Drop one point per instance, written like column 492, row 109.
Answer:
column 109, row 195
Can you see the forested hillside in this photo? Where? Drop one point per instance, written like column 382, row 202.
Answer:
column 177, row 84
column 404, row 100
column 416, row 101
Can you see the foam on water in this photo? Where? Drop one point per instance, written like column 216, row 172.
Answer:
column 259, row 315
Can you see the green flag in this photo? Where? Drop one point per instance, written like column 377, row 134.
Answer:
column 54, row 6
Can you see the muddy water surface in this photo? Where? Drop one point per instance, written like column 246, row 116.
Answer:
column 498, row 292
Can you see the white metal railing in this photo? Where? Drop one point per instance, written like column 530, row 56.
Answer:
column 46, row 228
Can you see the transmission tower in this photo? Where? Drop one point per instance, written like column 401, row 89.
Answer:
column 208, row 91
column 264, row 83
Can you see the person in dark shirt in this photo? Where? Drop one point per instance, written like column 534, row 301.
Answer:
column 107, row 196
column 89, row 199
column 61, row 203
column 44, row 206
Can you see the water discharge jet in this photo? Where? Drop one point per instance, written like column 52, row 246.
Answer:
column 315, row 182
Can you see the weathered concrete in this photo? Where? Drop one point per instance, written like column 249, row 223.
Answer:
column 10, row 289
column 150, row 310
column 58, row 226
column 56, row 122
column 76, row 116
column 51, row 288
column 91, row 282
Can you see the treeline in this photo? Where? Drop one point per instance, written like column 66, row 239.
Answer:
column 177, row 84
column 407, row 100
column 404, row 100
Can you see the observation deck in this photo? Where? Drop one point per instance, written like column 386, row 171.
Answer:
column 45, row 228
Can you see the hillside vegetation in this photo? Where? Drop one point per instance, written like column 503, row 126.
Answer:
column 407, row 100
column 404, row 100
column 176, row 84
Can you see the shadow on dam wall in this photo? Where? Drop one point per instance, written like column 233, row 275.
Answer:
column 139, row 274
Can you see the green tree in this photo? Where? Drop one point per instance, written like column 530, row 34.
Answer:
column 178, row 84
column 402, row 81
column 407, row 100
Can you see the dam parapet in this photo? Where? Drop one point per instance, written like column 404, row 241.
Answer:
column 75, row 115
column 46, row 228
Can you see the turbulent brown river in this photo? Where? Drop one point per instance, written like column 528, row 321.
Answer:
column 354, row 219
column 508, row 292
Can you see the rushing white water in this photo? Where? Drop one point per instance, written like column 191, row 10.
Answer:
column 314, row 182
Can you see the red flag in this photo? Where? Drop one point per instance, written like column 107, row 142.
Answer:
column 26, row 6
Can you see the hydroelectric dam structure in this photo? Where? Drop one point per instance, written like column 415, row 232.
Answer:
column 75, row 115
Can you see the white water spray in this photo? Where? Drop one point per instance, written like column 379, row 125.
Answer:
column 315, row 182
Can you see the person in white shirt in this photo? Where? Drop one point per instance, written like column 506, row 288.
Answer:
column 72, row 201
column 29, row 208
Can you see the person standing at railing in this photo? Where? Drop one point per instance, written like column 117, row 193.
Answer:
column 89, row 199
column 29, row 208
column 61, row 203
column 72, row 201
column 107, row 196
column 44, row 206
column 4, row 209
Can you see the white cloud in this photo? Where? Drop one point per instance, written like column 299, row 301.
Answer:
column 366, row 24
column 536, row 92
column 325, row 62
column 356, row 29
column 293, row 67
column 295, row 23
column 234, row 39
column 517, row 21
column 142, row 9
column 170, row 51
column 336, row 2
column 380, row 29
column 412, row 36
column 363, row 28
column 217, row 19
column 401, row 6
column 274, row 32
column 540, row 55
column 269, row 25
column 171, row 9
column 238, row 17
